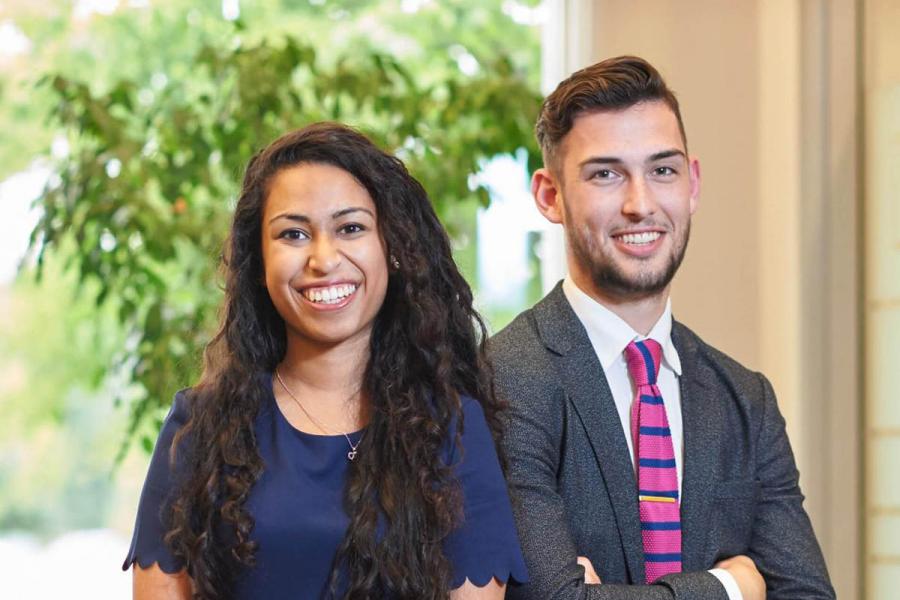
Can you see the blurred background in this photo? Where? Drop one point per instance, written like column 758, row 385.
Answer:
column 126, row 125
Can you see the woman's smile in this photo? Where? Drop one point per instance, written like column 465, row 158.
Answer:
column 330, row 296
column 324, row 259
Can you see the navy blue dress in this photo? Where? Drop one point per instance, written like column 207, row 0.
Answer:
column 297, row 505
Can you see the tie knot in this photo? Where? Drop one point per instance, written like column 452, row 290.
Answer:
column 643, row 361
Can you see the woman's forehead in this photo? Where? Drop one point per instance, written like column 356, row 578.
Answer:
column 316, row 190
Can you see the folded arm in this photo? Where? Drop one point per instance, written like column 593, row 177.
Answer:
column 533, row 445
column 783, row 545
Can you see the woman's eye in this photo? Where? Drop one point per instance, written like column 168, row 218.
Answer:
column 350, row 228
column 292, row 234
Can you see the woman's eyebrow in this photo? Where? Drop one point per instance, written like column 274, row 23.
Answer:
column 352, row 209
column 335, row 215
column 290, row 217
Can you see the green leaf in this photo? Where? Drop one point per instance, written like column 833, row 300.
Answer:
column 144, row 197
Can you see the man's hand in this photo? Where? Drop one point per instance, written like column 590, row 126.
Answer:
column 743, row 569
column 590, row 575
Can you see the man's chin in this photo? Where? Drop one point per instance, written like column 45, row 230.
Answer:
column 632, row 287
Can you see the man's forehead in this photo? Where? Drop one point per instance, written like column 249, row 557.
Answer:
column 635, row 132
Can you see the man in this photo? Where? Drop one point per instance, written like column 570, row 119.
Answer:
column 643, row 463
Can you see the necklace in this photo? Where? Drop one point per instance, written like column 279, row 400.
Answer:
column 350, row 455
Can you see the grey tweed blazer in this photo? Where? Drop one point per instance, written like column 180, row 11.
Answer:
column 573, row 484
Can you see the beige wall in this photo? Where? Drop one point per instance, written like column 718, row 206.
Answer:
column 882, row 306
column 709, row 61
column 768, row 90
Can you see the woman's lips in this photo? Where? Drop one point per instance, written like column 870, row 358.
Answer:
column 329, row 297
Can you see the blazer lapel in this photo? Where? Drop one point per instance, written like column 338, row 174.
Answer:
column 588, row 391
column 697, row 414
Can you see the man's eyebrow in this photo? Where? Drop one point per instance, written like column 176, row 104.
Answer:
column 666, row 154
column 615, row 160
column 601, row 160
column 335, row 215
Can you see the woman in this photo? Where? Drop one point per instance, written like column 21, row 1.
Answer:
column 332, row 447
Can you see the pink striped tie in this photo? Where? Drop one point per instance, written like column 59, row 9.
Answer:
column 658, row 498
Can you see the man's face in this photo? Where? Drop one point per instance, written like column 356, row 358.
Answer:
column 624, row 191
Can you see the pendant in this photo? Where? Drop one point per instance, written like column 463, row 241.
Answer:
column 351, row 455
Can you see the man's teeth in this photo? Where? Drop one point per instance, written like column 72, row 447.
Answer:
column 640, row 238
column 329, row 295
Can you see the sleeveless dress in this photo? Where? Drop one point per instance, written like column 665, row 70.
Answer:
column 297, row 506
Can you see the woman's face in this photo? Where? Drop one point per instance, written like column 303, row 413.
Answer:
column 324, row 260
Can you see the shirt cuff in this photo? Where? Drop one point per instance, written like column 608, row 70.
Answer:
column 728, row 582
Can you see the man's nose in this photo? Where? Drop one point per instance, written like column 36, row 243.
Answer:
column 639, row 201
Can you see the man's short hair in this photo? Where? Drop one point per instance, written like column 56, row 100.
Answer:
column 610, row 85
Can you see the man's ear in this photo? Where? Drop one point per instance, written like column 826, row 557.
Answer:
column 547, row 196
column 694, row 168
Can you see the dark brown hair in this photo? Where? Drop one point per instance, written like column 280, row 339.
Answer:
column 426, row 348
column 613, row 84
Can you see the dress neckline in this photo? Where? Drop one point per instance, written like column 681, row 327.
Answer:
column 270, row 393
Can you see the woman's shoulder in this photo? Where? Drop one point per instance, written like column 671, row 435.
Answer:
column 484, row 546
column 185, row 399
column 160, row 473
column 470, row 406
column 174, row 421
column 179, row 412
column 475, row 435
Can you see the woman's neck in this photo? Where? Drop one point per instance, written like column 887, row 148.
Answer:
column 327, row 379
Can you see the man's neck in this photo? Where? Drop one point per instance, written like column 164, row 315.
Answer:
column 640, row 312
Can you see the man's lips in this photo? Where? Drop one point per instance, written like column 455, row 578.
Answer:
column 639, row 238
column 639, row 243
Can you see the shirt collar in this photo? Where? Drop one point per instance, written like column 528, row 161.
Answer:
column 609, row 334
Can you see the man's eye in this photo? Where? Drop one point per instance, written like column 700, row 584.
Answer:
column 664, row 171
column 603, row 174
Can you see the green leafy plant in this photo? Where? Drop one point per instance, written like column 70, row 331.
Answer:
column 146, row 191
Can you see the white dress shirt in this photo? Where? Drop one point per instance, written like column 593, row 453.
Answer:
column 609, row 335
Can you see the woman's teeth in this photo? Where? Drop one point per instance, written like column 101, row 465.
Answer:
column 329, row 295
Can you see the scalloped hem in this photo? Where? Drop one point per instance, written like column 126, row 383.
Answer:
column 166, row 566
column 481, row 580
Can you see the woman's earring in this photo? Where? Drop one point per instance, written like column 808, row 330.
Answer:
column 394, row 262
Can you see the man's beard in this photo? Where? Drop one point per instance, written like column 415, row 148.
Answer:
column 608, row 277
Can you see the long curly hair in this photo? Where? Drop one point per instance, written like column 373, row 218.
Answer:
column 426, row 348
